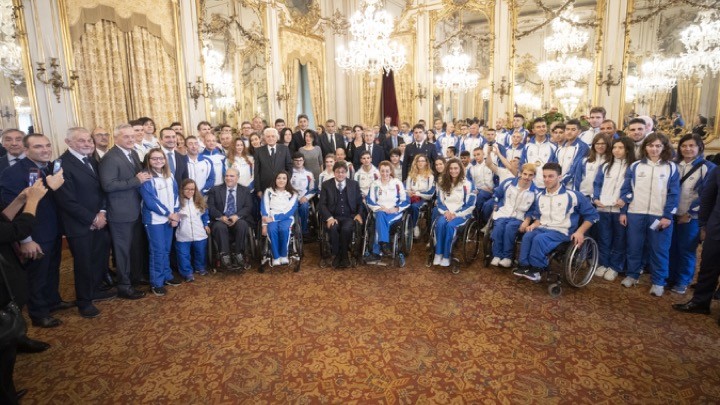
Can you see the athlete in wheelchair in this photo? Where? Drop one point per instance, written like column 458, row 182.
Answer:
column 303, row 181
column 455, row 206
column 341, row 223
column 556, row 213
column 386, row 201
column 420, row 187
column 282, row 242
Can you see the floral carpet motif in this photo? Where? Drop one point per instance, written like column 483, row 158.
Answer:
column 378, row 335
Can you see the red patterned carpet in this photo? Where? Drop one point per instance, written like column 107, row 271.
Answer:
column 378, row 335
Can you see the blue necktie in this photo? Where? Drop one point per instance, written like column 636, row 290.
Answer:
column 230, row 207
column 86, row 160
column 171, row 162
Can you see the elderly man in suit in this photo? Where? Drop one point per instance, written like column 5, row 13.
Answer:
column 330, row 141
column 12, row 141
column 82, row 210
column 417, row 147
column 392, row 140
column 43, row 248
column 270, row 159
column 231, row 210
column 121, row 176
column 340, row 207
column 377, row 152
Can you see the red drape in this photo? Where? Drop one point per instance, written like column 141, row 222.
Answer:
column 389, row 102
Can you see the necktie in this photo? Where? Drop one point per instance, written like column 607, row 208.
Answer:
column 272, row 151
column 86, row 160
column 136, row 160
column 341, row 187
column 13, row 161
column 171, row 161
column 394, row 140
column 230, row 208
column 332, row 141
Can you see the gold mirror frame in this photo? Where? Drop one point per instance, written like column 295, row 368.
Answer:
column 20, row 24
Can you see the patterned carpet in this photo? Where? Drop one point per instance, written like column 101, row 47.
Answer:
column 378, row 335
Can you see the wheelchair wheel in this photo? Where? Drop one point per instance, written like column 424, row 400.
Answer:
column 298, row 241
column 471, row 241
column 407, row 234
column 580, row 263
column 357, row 244
column 431, row 246
column 487, row 243
column 554, row 290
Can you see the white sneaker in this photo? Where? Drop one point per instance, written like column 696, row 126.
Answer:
column 416, row 232
column 445, row 262
column 610, row 275
column 506, row 263
column 629, row 282
column 275, row 262
column 284, row 260
column 657, row 290
column 436, row 260
column 495, row 261
column 600, row 271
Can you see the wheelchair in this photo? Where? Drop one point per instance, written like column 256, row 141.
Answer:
column 354, row 250
column 424, row 221
column 467, row 244
column 398, row 239
column 295, row 248
column 213, row 253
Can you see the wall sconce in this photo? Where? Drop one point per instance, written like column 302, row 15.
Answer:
column 421, row 93
column 196, row 90
column 504, row 89
column 55, row 80
column 7, row 115
column 282, row 94
column 609, row 80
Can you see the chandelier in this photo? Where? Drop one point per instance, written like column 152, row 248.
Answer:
column 569, row 96
column 659, row 75
column 565, row 37
column 371, row 50
column 220, row 84
column 10, row 51
column 567, row 68
column 526, row 100
column 457, row 75
column 702, row 44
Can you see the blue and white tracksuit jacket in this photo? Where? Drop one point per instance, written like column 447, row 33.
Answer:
column 445, row 141
column 512, row 206
column 586, row 171
column 303, row 181
column 388, row 195
column 191, row 238
column 611, row 235
column 366, row 178
column 160, row 199
column 483, row 181
column 202, row 172
column 280, row 206
column 470, row 143
column 217, row 158
column 570, row 156
column 651, row 191
column 460, row 201
column 539, row 153
column 424, row 186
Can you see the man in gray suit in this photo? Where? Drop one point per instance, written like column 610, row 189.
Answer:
column 270, row 160
column 121, row 175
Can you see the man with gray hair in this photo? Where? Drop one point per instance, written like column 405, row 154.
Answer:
column 12, row 141
column 270, row 160
column 81, row 203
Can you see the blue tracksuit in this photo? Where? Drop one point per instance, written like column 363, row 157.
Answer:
column 611, row 234
column 461, row 202
column 513, row 204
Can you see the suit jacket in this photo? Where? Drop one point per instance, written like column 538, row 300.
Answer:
column 266, row 168
column 329, row 197
column 181, row 167
column 81, row 197
column 13, row 181
column 217, row 198
column 378, row 155
column 384, row 129
column 326, row 147
column 4, row 162
column 412, row 150
column 388, row 145
column 709, row 215
column 117, row 177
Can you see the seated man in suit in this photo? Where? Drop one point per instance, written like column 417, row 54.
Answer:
column 340, row 207
column 231, row 210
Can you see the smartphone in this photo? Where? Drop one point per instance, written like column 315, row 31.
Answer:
column 33, row 176
column 57, row 166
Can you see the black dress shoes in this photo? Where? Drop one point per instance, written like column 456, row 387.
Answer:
column 131, row 294
column 89, row 311
column 62, row 305
column 27, row 345
column 692, row 307
column 48, row 322
column 105, row 296
column 336, row 261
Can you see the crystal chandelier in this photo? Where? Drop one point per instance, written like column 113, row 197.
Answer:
column 659, row 75
column 702, row 44
column 10, row 52
column 371, row 50
column 457, row 75
column 565, row 37
column 569, row 96
column 220, row 84
column 526, row 100
column 568, row 68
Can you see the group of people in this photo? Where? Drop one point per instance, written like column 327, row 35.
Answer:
column 159, row 194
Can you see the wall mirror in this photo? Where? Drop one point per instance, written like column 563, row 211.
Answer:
column 16, row 96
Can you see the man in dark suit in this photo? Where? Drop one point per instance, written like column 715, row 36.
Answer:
column 416, row 148
column 709, row 222
column 270, row 160
column 330, row 141
column 340, row 206
column 44, row 246
column 12, row 141
column 298, row 140
column 82, row 210
column 376, row 150
column 392, row 141
column 177, row 161
column 231, row 211
column 386, row 126
column 121, row 175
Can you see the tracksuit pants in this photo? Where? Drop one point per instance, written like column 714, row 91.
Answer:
column 191, row 256
column 537, row 245
column 503, row 236
column 445, row 234
column 683, row 251
column 279, row 234
column 658, row 242
column 383, row 222
column 415, row 211
column 611, row 241
column 160, row 239
column 482, row 197
column 304, row 212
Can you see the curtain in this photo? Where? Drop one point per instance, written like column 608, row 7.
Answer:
column 100, row 59
column 389, row 99
column 292, row 80
column 688, row 100
column 404, row 93
column 154, row 91
column 657, row 103
column 317, row 93
column 371, row 90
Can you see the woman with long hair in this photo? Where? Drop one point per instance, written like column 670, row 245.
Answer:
column 420, row 186
column 277, row 208
column 356, row 144
column 328, row 173
column 585, row 172
column 387, row 199
column 311, row 153
column 285, row 137
column 192, row 232
column 255, row 143
column 239, row 158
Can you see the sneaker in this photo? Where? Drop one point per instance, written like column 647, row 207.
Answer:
column 657, row 290
column 610, row 275
column 202, row 272
column 521, row 271
column 679, row 289
column 225, row 260
column 416, row 232
column 495, row 261
column 189, row 279
column 284, row 260
column 600, row 271
column 372, row 258
column 629, row 282
column 436, row 260
column 275, row 262
column 533, row 275
column 506, row 263
column 385, row 249
column 173, row 282
column 445, row 262
column 159, row 291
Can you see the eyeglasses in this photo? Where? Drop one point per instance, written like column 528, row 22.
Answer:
column 189, row 189
column 156, row 158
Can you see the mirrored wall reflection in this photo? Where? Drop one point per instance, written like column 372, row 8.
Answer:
column 462, row 54
column 666, row 78
column 235, row 55
column 555, row 48
column 15, row 109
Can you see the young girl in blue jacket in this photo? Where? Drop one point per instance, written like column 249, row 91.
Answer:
column 192, row 232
